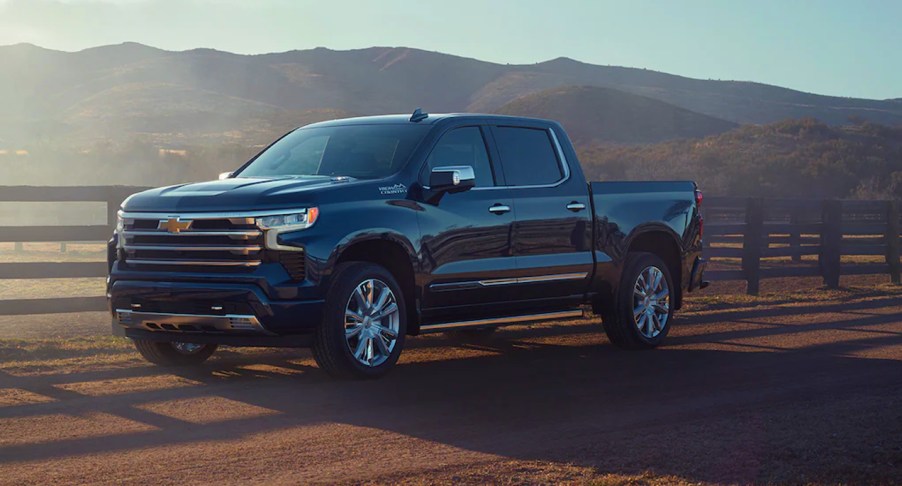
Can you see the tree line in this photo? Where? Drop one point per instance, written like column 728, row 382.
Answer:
column 792, row 158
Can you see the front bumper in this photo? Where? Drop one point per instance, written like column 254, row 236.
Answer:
column 167, row 321
column 180, row 309
column 283, row 341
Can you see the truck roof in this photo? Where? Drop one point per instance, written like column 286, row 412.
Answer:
column 432, row 119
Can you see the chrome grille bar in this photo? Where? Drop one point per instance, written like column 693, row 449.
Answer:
column 208, row 263
column 237, row 249
column 243, row 234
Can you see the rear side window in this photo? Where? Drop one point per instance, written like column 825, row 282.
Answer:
column 463, row 146
column 528, row 156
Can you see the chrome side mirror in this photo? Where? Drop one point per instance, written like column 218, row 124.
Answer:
column 457, row 178
column 225, row 175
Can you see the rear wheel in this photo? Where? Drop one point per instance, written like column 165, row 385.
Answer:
column 643, row 307
column 174, row 353
column 364, row 323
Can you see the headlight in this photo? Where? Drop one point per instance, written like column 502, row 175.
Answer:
column 120, row 228
column 289, row 222
column 282, row 223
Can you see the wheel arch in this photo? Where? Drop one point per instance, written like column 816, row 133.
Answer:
column 395, row 254
column 663, row 242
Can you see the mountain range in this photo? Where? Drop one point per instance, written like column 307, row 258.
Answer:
column 202, row 96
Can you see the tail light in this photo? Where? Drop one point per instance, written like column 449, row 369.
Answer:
column 698, row 207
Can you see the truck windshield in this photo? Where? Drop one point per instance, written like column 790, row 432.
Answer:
column 359, row 151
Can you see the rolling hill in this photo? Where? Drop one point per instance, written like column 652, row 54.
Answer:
column 134, row 114
column 171, row 113
column 596, row 115
column 793, row 158
column 55, row 91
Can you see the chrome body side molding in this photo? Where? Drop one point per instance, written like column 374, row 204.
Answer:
column 439, row 287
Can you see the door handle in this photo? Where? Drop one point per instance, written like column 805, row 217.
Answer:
column 499, row 208
column 576, row 206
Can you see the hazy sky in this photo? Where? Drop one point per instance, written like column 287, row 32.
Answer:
column 846, row 48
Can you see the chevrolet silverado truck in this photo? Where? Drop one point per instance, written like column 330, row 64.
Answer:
column 347, row 236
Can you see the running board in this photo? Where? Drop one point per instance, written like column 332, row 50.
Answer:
column 501, row 321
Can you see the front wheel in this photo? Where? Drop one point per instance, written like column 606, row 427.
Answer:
column 643, row 307
column 364, row 322
column 174, row 353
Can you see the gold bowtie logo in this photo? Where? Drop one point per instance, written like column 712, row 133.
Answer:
column 174, row 225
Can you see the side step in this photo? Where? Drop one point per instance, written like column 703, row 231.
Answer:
column 501, row 321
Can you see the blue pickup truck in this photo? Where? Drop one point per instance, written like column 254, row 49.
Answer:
column 346, row 236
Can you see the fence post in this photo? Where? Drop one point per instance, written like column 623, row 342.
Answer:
column 751, row 244
column 892, row 240
column 831, row 242
column 794, row 234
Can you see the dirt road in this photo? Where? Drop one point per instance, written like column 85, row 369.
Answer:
column 745, row 392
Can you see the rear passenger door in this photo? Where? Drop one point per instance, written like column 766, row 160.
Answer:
column 553, row 224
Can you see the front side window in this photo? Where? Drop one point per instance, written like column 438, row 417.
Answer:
column 359, row 151
column 463, row 146
column 528, row 156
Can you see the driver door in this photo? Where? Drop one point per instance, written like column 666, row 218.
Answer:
column 466, row 236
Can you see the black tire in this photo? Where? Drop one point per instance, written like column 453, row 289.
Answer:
column 619, row 321
column 166, row 354
column 476, row 335
column 331, row 348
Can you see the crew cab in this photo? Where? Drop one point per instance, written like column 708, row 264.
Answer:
column 349, row 235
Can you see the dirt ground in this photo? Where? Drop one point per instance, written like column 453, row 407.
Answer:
column 798, row 386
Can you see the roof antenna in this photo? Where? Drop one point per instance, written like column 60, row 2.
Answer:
column 418, row 116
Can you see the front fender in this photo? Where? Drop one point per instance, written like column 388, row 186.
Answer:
column 343, row 225
column 372, row 234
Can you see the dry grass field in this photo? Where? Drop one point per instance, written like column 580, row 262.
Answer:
column 795, row 386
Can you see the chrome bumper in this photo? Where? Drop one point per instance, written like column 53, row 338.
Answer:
column 189, row 323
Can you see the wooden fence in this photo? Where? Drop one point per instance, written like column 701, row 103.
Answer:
column 745, row 239
column 753, row 238
column 111, row 195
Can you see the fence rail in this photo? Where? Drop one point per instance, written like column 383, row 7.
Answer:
column 112, row 196
column 762, row 233
column 743, row 237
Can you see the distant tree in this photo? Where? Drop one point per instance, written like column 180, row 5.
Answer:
column 791, row 158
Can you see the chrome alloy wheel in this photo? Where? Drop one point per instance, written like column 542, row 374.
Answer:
column 187, row 348
column 372, row 320
column 651, row 302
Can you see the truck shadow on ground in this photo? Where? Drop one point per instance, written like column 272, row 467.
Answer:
column 701, row 408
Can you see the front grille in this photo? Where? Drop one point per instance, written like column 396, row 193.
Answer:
column 189, row 244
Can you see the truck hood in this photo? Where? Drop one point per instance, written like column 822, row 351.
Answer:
column 238, row 194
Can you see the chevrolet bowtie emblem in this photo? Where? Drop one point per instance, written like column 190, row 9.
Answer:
column 174, row 225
